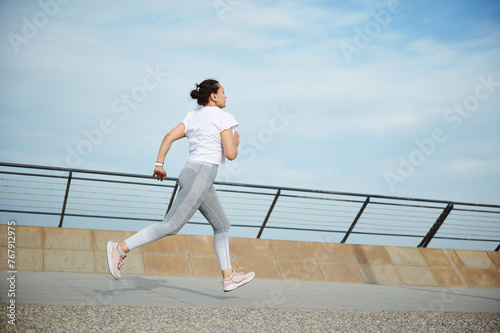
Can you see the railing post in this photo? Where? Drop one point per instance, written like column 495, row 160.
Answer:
column 432, row 231
column 173, row 196
column 65, row 199
column 269, row 213
column 356, row 219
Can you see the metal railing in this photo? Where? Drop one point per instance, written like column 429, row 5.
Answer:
column 333, row 216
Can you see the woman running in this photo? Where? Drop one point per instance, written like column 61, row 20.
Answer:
column 212, row 137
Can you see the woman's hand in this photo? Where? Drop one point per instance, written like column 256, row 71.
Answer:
column 159, row 173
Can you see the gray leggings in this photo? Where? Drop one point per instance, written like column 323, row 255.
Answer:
column 196, row 191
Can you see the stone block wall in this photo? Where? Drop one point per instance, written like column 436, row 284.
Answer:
column 84, row 251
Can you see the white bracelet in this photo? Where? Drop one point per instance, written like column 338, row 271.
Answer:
column 159, row 164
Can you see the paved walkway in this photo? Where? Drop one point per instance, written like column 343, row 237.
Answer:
column 91, row 289
column 199, row 298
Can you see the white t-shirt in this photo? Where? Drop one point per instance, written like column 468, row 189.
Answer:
column 202, row 128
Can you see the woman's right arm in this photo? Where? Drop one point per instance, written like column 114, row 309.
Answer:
column 175, row 134
column 230, row 143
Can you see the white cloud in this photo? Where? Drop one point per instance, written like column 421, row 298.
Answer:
column 468, row 166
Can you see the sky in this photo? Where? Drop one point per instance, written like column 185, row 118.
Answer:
column 395, row 98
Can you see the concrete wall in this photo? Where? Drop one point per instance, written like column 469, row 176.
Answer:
column 83, row 250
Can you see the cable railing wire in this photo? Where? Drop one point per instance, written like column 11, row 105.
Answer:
column 129, row 197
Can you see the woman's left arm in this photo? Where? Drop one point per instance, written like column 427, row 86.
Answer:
column 230, row 143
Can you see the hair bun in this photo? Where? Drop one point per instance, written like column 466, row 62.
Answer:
column 195, row 93
column 203, row 90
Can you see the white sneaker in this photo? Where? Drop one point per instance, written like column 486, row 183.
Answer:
column 115, row 259
column 237, row 280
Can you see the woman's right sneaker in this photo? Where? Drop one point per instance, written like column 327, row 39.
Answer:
column 115, row 259
column 237, row 280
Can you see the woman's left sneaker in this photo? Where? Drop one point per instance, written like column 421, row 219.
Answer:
column 237, row 280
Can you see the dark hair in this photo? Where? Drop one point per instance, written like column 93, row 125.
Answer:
column 203, row 91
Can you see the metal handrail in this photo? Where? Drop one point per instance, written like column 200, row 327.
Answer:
column 272, row 221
